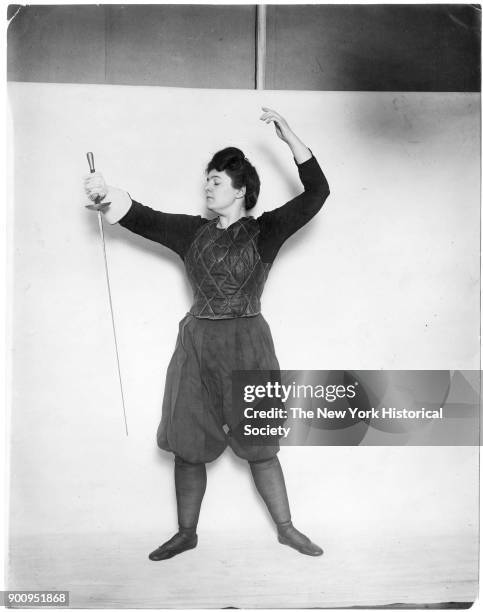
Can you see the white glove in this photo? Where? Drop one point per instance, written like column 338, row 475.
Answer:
column 113, row 202
column 95, row 186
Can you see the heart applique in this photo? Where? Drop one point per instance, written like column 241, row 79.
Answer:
column 219, row 252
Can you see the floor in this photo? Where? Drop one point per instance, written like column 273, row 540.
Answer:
column 249, row 571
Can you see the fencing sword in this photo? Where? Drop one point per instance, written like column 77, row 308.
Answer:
column 100, row 206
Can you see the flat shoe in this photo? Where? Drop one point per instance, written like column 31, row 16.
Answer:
column 176, row 545
column 292, row 537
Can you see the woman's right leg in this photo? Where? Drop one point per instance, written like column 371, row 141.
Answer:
column 190, row 483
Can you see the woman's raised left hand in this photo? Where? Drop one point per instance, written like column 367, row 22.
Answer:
column 281, row 126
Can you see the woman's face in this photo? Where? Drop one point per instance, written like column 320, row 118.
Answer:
column 219, row 191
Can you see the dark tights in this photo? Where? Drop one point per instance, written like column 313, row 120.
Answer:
column 190, row 482
column 270, row 483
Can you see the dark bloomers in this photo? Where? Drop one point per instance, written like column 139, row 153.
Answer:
column 197, row 401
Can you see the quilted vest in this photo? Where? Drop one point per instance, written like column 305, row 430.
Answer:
column 225, row 270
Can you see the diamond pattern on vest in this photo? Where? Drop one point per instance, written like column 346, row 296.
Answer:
column 225, row 270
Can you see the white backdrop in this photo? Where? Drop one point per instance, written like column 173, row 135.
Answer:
column 386, row 276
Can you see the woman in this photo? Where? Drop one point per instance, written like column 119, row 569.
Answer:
column 227, row 260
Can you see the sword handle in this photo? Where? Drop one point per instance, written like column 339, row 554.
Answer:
column 90, row 161
column 99, row 206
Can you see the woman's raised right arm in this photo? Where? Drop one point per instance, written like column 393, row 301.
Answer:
column 174, row 231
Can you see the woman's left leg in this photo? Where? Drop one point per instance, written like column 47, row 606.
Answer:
column 270, row 483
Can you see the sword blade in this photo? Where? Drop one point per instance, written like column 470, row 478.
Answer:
column 106, row 267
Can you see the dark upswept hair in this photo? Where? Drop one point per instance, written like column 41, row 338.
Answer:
column 240, row 170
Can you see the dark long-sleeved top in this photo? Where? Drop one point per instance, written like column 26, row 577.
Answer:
column 228, row 267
